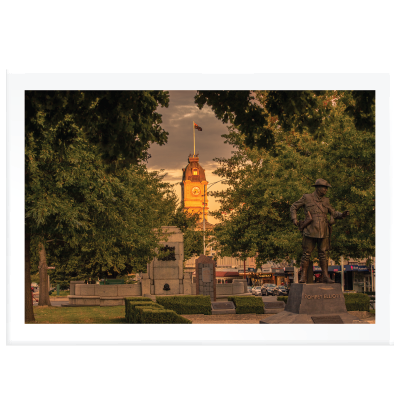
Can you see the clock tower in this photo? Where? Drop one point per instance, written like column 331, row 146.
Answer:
column 193, row 185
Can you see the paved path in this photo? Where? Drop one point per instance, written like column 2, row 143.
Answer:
column 227, row 318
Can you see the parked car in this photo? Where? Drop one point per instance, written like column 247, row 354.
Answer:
column 281, row 291
column 256, row 290
column 264, row 291
column 269, row 287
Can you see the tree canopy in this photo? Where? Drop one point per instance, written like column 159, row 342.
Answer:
column 88, row 197
column 303, row 110
column 264, row 182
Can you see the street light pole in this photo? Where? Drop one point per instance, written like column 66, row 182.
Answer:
column 204, row 220
column 342, row 271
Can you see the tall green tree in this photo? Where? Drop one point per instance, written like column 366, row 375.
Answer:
column 87, row 195
column 301, row 110
column 264, row 183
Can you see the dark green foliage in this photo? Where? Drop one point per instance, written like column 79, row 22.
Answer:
column 302, row 110
column 142, row 310
column 88, row 197
column 247, row 304
column 192, row 238
column 122, row 124
column 238, row 107
column 263, row 183
column 357, row 302
column 186, row 304
column 134, row 315
column 161, row 316
column 282, row 298
column 129, row 300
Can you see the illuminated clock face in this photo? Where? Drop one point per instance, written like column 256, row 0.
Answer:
column 196, row 191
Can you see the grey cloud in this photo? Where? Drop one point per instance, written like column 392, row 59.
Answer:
column 177, row 120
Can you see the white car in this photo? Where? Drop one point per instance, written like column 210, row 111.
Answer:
column 256, row 290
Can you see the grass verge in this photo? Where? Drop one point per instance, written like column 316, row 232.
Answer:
column 79, row 315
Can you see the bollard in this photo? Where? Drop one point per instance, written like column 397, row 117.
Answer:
column 58, row 289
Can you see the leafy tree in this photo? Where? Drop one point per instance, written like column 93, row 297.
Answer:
column 192, row 237
column 254, row 210
column 251, row 111
column 88, row 198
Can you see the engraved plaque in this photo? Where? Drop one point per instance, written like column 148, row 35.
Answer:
column 167, row 253
column 329, row 319
column 206, row 274
column 223, row 305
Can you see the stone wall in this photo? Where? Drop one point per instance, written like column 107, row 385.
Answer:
column 162, row 272
column 108, row 290
column 234, row 288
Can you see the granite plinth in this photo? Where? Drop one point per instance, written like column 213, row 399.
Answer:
column 272, row 307
column 307, row 301
column 222, row 307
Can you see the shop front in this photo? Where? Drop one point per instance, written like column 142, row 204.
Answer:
column 356, row 277
column 266, row 278
column 289, row 275
column 278, row 276
column 226, row 276
column 250, row 274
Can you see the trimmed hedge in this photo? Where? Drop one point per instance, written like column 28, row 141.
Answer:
column 356, row 302
column 138, row 298
column 133, row 310
column 159, row 316
column 282, row 298
column 148, row 312
column 247, row 304
column 186, row 304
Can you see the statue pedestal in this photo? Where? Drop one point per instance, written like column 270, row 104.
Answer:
column 316, row 303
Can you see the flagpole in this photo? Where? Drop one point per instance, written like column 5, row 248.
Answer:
column 194, row 143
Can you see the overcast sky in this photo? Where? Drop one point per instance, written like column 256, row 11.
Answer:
column 178, row 121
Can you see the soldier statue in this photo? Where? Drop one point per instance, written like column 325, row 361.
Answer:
column 316, row 227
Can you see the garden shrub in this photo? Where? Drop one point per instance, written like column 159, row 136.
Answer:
column 247, row 305
column 282, row 298
column 133, row 309
column 186, row 304
column 134, row 299
column 159, row 316
column 356, row 302
column 134, row 315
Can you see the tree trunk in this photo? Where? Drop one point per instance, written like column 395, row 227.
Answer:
column 29, row 316
column 44, row 298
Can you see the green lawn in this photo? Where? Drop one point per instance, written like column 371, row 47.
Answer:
column 79, row 315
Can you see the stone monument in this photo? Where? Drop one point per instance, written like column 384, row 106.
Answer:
column 165, row 275
column 315, row 303
column 205, row 277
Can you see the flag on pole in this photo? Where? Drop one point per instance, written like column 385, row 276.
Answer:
column 197, row 127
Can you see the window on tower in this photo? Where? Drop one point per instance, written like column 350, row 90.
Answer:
column 195, row 172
